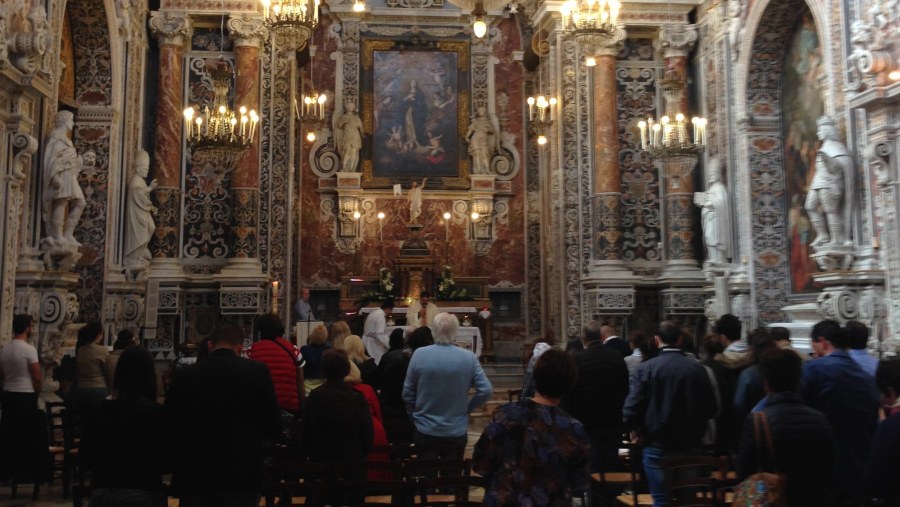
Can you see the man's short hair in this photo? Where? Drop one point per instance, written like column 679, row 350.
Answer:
column 857, row 334
column 269, row 326
column 424, row 294
column 712, row 345
column 335, row 364
column 21, row 322
column 780, row 334
column 888, row 375
column 592, row 331
column 781, row 369
column 555, row 373
column 124, row 339
column 730, row 326
column 228, row 333
column 89, row 332
column 829, row 330
column 444, row 328
column 388, row 303
column 668, row 332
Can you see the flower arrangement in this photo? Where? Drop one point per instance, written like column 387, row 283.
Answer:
column 385, row 289
column 446, row 288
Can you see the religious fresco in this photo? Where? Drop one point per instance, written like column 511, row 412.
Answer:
column 802, row 104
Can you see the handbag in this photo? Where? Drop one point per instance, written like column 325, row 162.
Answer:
column 762, row 488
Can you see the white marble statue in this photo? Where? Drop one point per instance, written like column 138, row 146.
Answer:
column 735, row 26
column 479, row 136
column 415, row 200
column 139, row 212
column 830, row 199
column 62, row 199
column 715, row 215
column 348, row 137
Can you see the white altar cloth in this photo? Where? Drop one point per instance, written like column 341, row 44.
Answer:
column 465, row 336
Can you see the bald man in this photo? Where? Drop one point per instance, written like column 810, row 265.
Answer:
column 611, row 340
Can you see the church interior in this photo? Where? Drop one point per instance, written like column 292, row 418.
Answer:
column 534, row 165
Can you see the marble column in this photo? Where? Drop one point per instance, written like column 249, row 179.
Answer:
column 173, row 31
column 607, row 213
column 676, row 41
column 248, row 33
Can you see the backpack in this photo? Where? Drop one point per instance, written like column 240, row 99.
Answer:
column 762, row 489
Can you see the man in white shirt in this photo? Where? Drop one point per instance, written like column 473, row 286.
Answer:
column 421, row 313
column 375, row 336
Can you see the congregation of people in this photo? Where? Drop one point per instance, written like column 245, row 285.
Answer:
column 832, row 418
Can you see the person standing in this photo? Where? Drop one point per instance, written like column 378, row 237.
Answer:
column 532, row 452
column 670, row 402
column 284, row 361
column 375, row 336
column 436, row 390
column 90, row 355
column 23, row 451
column 597, row 397
column 839, row 388
column 124, row 340
column 302, row 310
column 421, row 313
column 613, row 341
column 228, row 402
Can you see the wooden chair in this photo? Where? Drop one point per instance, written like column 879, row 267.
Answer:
column 692, row 481
column 297, row 483
column 451, row 491
column 632, row 479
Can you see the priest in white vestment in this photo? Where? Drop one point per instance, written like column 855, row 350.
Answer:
column 421, row 313
column 375, row 336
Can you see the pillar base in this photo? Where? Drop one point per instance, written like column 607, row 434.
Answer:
column 166, row 267
column 242, row 268
column 682, row 270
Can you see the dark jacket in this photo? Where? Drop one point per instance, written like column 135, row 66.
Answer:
column 598, row 395
column 728, row 428
column 804, row 449
column 618, row 344
column 337, row 425
column 231, row 402
column 884, row 463
column 839, row 388
column 670, row 401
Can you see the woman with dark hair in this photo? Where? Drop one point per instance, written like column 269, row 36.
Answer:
column 533, row 452
column 749, row 390
column 284, row 361
column 90, row 355
column 337, row 416
column 124, row 339
column 124, row 441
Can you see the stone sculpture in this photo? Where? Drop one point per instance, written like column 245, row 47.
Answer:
column 62, row 198
column 715, row 216
column 139, row 211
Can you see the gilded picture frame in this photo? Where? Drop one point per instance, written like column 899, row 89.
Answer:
column 415, row 113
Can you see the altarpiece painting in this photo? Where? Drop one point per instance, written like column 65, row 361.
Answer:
column 415, row 113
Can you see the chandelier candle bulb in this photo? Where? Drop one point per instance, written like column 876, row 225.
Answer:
column 643, row 126
column 530, row 108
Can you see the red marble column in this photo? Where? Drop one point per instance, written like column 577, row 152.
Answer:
column 606, row 205
column 172, row 31
column 248, row 34
column 676, row 42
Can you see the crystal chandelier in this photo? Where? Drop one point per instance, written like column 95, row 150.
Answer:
column 591, row 21
column 312, row 113
column 667, row 140
column 292, row 21
column 217, row 134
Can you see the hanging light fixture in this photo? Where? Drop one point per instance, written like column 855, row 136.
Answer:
column 217, row 134
column 591, row 22
column 667, row 140
column 292, row 21
column 479, row 27
column 540, row 107
column 312, row 112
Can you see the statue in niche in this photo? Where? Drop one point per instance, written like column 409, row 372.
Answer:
column 480, row 138
column 831, row 188
column 139, row 212
column 62, row 198
column 715, row 216
column 415, row 200
column 348, row 137
column 735, row 26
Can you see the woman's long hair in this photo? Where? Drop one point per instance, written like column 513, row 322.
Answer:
column 135, row 376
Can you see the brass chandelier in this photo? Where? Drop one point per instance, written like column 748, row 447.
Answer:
column 292, row 22
column 591, row 22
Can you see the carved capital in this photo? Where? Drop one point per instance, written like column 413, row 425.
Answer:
column 25, row 49
column 171, row 28
column 612, row 44
column 247, row 30
column 4, row 51
column 678, row 40
column 879, row 155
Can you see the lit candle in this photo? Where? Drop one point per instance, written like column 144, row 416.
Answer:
column 875, row 243
column 530, row 108
column 316, row 11
column 643, row 126
column 654, row 139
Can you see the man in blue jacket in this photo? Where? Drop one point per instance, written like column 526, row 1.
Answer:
column 671, row 399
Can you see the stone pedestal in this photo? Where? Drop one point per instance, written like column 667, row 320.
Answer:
column 49, row 298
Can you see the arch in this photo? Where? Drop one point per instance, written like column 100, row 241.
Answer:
column 761, row 167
